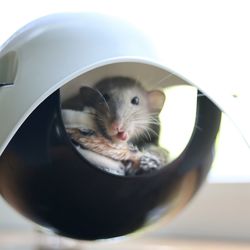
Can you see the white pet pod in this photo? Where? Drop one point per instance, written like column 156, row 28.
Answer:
column 41, row 173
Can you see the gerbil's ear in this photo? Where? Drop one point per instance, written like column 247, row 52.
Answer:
column 88, row 96
column 156, row 99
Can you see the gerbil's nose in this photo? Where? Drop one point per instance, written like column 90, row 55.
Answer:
column 117, row 126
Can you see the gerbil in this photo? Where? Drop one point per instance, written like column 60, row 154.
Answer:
column 125, row 111
column 119, row 110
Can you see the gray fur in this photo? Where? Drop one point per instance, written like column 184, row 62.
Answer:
column 121, row 90
column 140, row 121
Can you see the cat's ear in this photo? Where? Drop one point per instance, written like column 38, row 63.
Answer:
column 156, row 99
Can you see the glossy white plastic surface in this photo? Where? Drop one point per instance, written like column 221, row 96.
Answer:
column 53, row 50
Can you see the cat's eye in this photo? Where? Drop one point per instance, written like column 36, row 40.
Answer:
column 106, row 97
column 135, row 100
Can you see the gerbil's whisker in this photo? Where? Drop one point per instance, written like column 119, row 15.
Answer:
column 150, row 129
column 147, row 130
column 153, row 114
column 142, row 121
column 103, row 99
column 100, row 118
column 146, row 135
column 155, row 123
column 137, row 134
column 147, row 119
column 163, row 79
column 128, row 114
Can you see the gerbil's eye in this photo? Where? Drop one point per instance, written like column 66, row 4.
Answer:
column 106, row 97
column 135, row 100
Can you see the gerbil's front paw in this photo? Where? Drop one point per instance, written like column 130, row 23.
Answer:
column 149, row 163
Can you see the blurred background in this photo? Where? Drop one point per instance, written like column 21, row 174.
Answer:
column 220, row 210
